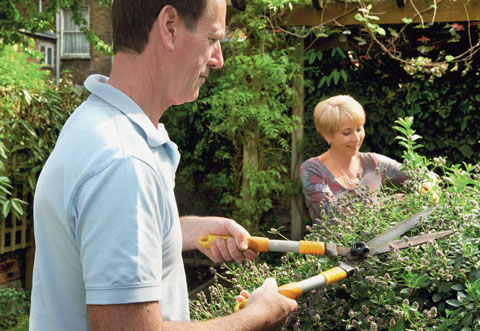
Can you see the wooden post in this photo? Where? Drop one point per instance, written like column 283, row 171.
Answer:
column 296, row 201
column 250, row 165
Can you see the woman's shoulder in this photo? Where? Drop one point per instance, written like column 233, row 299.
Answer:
column 313, row 164
column 376, row 160
column 313, row 161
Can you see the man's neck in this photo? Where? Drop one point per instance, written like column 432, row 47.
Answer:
column 131, row 76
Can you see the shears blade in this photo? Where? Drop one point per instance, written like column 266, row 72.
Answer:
column 407, row 242
column 400, row 228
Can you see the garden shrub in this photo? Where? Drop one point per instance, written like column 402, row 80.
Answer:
column 33, row 109
column 432, row 286
column 238, row 143
column 13, row 306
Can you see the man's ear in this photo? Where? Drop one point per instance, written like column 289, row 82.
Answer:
column 167, row 24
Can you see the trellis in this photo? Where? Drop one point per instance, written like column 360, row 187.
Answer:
column 14, row 234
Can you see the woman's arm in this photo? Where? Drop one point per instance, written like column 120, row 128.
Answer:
column 316, row 189
column 390, row 169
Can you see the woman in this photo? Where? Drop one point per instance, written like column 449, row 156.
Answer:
column 342, row 168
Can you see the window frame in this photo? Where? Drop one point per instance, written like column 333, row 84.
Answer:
column 45, row 54
column 63, row 33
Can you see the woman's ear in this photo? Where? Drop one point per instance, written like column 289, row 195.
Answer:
column 327, row 138
column 167, row 25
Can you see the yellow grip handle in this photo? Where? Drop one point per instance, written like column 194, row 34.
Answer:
column 291, row 290
column 240, row 305
column 206, row 240
column 334, row 275
column 312, row 247
column 257, row 244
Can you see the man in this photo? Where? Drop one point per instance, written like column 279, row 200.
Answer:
column 108, row 235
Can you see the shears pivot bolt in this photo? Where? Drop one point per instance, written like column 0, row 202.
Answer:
column 359, row 249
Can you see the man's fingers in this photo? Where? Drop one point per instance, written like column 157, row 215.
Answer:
column 250, row 255
column 223, row 249
column 239, row 233
column 270, row 284
column 216, row 256
column 233, row 250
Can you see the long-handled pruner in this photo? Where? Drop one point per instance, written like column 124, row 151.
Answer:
column 352, row 256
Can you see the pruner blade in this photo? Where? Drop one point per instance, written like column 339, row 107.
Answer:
column 407, row 242
column 400, row 228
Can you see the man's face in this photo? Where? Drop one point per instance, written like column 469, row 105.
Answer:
column 200, row 51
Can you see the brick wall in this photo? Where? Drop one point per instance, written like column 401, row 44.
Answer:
column 98, row 63
column 12, row 268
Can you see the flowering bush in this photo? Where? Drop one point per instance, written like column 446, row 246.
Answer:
column 432, row 286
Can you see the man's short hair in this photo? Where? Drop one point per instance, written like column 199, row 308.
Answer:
column 132, row 20
column 329, row 114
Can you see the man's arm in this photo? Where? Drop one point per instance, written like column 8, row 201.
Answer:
column 266, row 310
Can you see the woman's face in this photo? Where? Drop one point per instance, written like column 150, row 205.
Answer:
column 348, row 139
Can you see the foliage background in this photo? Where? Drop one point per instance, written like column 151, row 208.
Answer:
column 33, row 109
column 427, row 287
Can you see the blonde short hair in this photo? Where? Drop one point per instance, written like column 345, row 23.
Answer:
column 330, row 113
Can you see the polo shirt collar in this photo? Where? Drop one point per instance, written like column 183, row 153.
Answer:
column 97, row 84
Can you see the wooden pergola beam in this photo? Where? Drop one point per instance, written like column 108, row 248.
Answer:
column 342, row 14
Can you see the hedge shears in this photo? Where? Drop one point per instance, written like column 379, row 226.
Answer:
column 352, row 256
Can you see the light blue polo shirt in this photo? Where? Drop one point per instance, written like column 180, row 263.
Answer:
column 106, row 223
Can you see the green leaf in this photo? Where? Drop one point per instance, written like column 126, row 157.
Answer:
column 453, row 302
column 436, row 297
column 371, row 17
column 29, row 128
column 336, row 76
column 359, row 17
column 467, row 320
column 407, row 20
column 449, row 58
column 16, row 206
column 380, row 31
column 466, row 150
column 6, row 208
column 458, row 287
column 28, row 98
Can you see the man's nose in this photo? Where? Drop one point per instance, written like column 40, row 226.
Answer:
column 216, row 60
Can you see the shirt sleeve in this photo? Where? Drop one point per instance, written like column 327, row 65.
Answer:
column 390, row 169
column 318, row 195
column 118, row 231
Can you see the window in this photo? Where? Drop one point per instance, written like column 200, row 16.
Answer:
column 74, row 44
column 47, row 52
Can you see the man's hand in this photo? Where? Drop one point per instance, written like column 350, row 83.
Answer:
column 267, row 302
column 222, row 250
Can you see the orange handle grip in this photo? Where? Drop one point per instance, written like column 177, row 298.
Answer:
column 312, row 247
column 334, row 275
column 257, row 244
column 291, row 290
